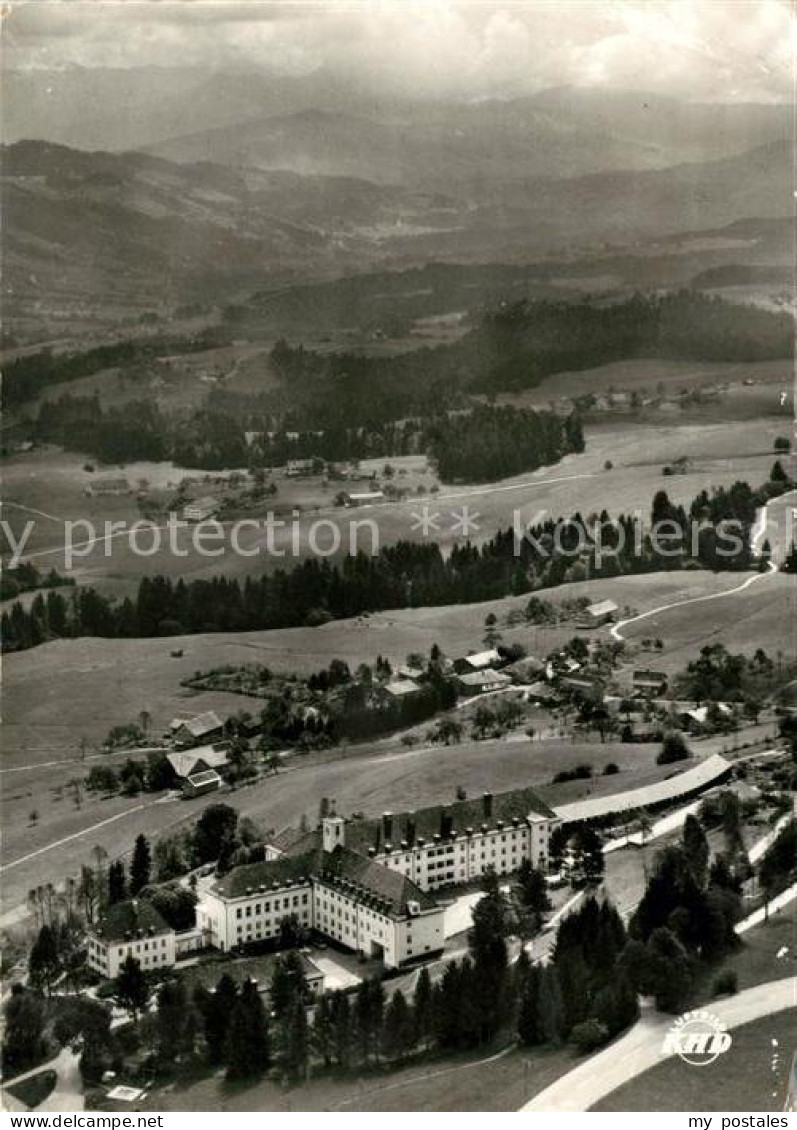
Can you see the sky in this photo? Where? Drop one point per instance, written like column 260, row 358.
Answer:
column 715, row 50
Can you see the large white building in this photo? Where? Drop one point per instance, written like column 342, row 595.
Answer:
column 132, row 928
column 349, row 898
column 365, row 884
column 443, row 845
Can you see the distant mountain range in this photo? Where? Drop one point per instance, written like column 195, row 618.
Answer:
column 315, row 124
column 314, row 193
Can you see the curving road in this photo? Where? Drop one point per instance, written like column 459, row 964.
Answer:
column 757, row 536
column 642, row 1048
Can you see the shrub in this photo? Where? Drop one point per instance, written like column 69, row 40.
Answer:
column 611, row 769
column 589, row 1034
column 725, row 983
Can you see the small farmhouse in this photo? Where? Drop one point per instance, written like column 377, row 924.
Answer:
column 201, row 509
column 201, row 728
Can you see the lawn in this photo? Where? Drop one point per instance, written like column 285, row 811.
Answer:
column 719, row 453
column 35, row 1089
column 497, row 1081
column 369, row 779
column 756, row 961
column 61, row 691
column 747, row 1077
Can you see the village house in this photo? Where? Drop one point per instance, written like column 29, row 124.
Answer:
column 99, row 488
column 294, row 468
column 332, row 889
column 363, row 497
column 478, row 661
column 401, row 690
column 187, row 732
column 447, row 844
column 131, row 928
column 649, row 684
column 602, row 612
column 199, row 770
column 479, row 682
column 201, row 509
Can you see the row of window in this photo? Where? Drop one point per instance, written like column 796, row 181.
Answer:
column 265, row 908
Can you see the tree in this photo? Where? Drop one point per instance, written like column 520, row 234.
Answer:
column 528, row 1024
column 397, row 1037
column 247, row 1049
column 534, row 890
column 175, row 1020
column 669, row 973
column 294, row 1040
column 588, row 862
column 696, row 849
column 44, row 966
column 342, row 1036
column 216, row 824
column 422, row 1007
column 131, row 988
column 322, row 1035
column 24, row 1028
column 175, row 903
column 216, row 1009
column 369, row 1004
column 674, row 748
column 141, row 865
column 117, row 886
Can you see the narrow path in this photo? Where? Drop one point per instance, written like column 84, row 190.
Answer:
column 643, row 1047
column 423, row 1078
column 616, row 629
column 774, row 906
column 77, row 835
column 756, row 536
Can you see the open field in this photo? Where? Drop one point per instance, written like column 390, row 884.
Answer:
column 762, row 616
column 62, row 691
column 368, row 780
column 497, row 1081
column 744, row 1078
column 54, row 483
column 658, row 377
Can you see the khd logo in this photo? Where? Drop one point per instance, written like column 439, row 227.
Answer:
column 698, row 1038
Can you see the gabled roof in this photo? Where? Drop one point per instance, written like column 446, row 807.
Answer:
column 206, row 777
column 602, row 608
column 391, row 891
column 484, row 678
column 204, row 503
column 185, row 762
column 460, row 815
column 202, row 724
column 130, row 919
column 400, row 687
column 293, row 841
column 288, row 869
column 482, row 659
column 699, row 777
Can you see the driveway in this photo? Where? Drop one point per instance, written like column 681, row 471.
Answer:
column 642, row 1048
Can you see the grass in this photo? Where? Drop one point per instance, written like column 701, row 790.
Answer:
column 53, row 481
column 755, row 962
column 368, row 779
column 35, row 1089
column 744, row 1078
column 497, row 1081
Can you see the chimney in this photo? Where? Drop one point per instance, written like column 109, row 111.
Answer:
column 387, row 825
column 410, row 831
column 446, row 823
column 488, row 805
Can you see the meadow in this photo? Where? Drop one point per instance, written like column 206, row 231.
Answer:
column 620, row 470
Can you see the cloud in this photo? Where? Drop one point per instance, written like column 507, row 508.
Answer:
column 703, row 49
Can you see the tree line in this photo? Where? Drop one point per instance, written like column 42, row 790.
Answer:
column 404, row 575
